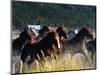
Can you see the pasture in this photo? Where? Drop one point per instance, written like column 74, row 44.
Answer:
column 63, row 62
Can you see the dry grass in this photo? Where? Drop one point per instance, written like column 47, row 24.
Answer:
column 62, row 63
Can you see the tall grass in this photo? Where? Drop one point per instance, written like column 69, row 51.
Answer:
column 62, row 63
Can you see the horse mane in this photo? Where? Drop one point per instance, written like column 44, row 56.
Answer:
column 45, row 29
column 59, row 28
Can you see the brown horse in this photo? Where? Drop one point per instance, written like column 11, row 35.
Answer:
column 26, row 36
column 49, row 44
column 75, row 45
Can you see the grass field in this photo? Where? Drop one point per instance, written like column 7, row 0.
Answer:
column 78, row 62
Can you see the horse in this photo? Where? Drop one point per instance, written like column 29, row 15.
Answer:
column 44, row 30
column 61, row 32
column 26, row 36
column 91, row 47
column 49, row 44
column 76, row 44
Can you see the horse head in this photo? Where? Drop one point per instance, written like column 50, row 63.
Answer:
column 61, row 32
column 86, row 33
column 23, row 35
column 26, row 35
column 53, row 38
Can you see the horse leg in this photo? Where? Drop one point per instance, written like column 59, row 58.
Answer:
column 29, row 62
column 21, row 66
column 86, row 56
column 93, row 56
column 54, row 56
column 24, row 55
column 32, row 57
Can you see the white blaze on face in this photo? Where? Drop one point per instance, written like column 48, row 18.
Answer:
column 58, row 42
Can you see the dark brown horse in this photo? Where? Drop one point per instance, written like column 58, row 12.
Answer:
column 49, row 44
column 26, row 36
column 61, row 32
column 76, row 44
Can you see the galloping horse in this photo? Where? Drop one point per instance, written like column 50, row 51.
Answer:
column 49, row 44
column 25, row 36
column 76, row 44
